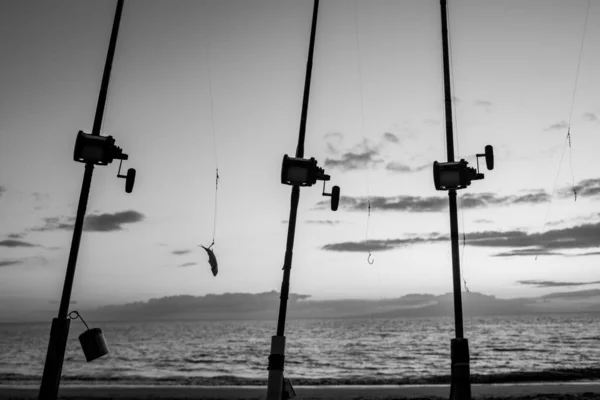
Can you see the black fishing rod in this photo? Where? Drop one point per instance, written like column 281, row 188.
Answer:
column 460, row 386
column 296, row 172
column 453, row 176
column 91, row 149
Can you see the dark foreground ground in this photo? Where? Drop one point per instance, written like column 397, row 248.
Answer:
column 529, row 391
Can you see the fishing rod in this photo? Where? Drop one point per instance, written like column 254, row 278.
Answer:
column 452, row 176
column 90, row 149
column 296, row 172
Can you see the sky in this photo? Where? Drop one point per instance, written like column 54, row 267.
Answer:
column 218, row 84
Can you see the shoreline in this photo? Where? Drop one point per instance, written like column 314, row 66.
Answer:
column 511, row 378
column 562, row 390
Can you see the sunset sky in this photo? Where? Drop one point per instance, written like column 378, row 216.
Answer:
column 375, row 123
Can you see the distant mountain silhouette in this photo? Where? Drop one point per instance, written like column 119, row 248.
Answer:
column 245, row 306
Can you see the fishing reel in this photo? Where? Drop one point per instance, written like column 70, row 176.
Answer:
column 457, row 175
column 101, row 150
column 302, row 172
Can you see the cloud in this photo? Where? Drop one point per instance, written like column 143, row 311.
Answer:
column 2, row 190
column 591, row 253
column 16, row 243
column 16, row 235
column 399, row 167
column 474, row 200
column 180, row 252
column 431, row 121
column 381, row 244
column 483, row 221
column 332, row 149
column 486, row 105
column 322, row 222
column 8, row 263
column 585, row 188
column 55, row 224
column 355, row 160
column 188, row 264
column 588, row 116
column 335, row 135
column 390, row 137
column 557, row 126
column 577, row 237
column 521, row 243
column 538, row 283
column 527, row 252
column 333, row 142
column 111, row 222
column 435, row 203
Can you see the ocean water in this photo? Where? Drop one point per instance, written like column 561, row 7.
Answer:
column 366, row 350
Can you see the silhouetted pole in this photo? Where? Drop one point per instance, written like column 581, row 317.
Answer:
column 460, row 386
column 59, row 331
column 276, row 359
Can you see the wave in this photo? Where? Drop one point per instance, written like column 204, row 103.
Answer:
column 517, row 349
column 554, row 375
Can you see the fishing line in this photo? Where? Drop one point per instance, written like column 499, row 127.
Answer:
column 457, row 142
column 212, row 259
column 539, row 243
column 212, row 120
column 568, row 136
column 370, row 258
column 460, row 197
column 574, row 93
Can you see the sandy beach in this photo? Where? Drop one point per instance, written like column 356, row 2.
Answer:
column 530, row 391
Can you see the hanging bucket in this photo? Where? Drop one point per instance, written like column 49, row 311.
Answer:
column 93, row 344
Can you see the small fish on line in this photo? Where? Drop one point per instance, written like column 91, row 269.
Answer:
column 212, row 260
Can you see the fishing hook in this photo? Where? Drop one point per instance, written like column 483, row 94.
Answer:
column 370, row 259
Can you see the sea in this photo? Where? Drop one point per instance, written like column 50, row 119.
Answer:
column 365, row 351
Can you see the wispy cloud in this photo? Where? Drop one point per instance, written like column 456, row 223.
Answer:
column 519, row 242
column 358, row 159
column 483, row 221
column 527, row 252
column 588, row 116
column 333, row 142
column 188, row 264
column 380, row 244
column 435, row 203
column 486, row 105
column 322, row 222
column 335, row 135
column 8, row 263
column 2, row 190
column 557, row 126
column 16, row 243
column 390, row 137
column 399, row 167
column 55, row 224
column 585, row 188
column 577, row 237
column 180, row 252
column 111, row 221
column 540, row 283
column 16, row 235
column 431, row 121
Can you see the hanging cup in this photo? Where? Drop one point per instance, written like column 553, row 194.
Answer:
column 93, row 344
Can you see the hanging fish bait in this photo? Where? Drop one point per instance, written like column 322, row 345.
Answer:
column 212, row 259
